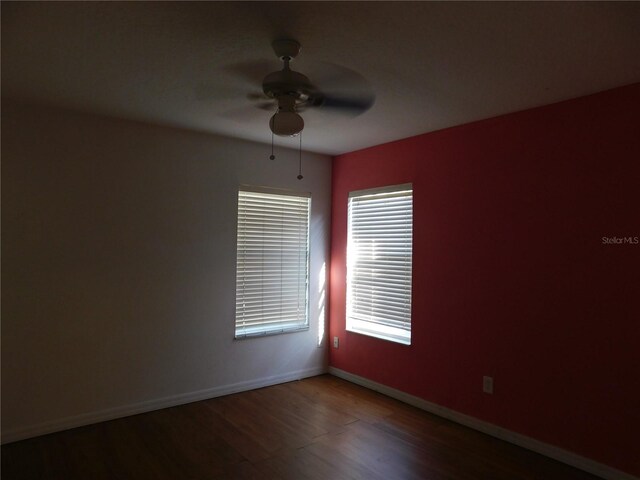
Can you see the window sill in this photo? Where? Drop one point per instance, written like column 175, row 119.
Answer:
column 245, row 336
column 402, row 339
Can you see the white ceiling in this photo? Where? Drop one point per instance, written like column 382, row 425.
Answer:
column 431, row 65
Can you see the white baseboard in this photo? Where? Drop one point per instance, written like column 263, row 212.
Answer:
column 21, row 433
column 564, row 456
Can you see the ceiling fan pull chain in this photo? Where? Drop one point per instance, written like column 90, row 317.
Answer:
column 300, row 177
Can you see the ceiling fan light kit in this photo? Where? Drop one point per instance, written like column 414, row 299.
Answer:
column 286, row 124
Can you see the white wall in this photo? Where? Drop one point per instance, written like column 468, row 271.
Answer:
column 118, row 268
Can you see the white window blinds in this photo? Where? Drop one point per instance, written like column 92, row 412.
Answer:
column 272, row 262
column 379, row 255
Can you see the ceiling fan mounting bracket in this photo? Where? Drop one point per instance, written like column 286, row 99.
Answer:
column 286, row 48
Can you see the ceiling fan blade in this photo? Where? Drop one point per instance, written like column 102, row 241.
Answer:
column 332, row 77
column 208, row 92
column 261, row 101
column 268, row 106
column 245, row 114
column 252, row 72
column 340, row 90
column 257, row 96
column 350, row 105
column 332, row 89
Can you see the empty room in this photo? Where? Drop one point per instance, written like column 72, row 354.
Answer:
column 320, row 240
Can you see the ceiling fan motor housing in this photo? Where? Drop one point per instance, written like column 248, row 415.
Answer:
column 286, row 82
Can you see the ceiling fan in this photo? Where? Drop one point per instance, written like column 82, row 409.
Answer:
column 293, row 93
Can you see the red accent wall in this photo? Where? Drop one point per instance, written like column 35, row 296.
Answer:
column 510, row 274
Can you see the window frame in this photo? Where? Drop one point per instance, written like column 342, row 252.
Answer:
column 261, row 330
column 377, row 326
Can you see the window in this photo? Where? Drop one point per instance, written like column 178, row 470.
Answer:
column 379, row 253
column 272, row 262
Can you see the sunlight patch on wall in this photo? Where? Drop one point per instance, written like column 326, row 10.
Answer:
column 322, row 277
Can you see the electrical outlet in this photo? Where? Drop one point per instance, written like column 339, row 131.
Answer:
column 487, row 385
column 336, row 342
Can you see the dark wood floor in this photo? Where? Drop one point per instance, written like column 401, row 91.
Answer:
column 318, row 428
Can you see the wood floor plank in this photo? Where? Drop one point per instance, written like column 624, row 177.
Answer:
column 247, row 415
column 324, row 390
column 203, row 456
column 300, row 465
column 318, row 428
column 368, row 446
column 294, row 415
column 321, row 412
column 214, row 423
column 246, row 471
column 343, row 462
